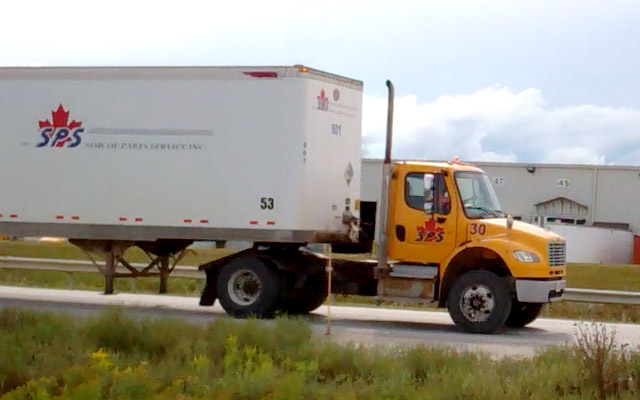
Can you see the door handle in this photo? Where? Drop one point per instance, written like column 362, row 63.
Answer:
column 401, row 233
column 441, row 220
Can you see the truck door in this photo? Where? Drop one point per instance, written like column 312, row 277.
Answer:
column 416, row 235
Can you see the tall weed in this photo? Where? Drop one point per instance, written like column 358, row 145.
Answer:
column 607, row 364
column 114, row 356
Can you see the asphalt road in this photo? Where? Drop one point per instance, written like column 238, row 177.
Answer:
column 362, row 325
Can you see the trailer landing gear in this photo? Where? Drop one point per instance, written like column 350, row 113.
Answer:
column 163, row 257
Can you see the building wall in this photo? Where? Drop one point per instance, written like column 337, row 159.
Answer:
column 617, row 197
column 587, row 244
column 371, row 180
column 522, row 190
column 609, row 192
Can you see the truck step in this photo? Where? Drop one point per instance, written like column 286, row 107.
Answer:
column 405, row 300
column 413, row 271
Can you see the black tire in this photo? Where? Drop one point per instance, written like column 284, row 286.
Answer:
column 247, row 286
column 522, row 314
column 479, row 302
column 307, row 298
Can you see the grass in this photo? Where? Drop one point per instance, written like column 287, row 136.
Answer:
column 604, row 277
column 590, row 276
column 112, row 356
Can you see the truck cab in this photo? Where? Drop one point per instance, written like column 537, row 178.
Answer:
column 449, row 241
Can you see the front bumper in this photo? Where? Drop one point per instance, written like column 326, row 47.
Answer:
column 530, row 291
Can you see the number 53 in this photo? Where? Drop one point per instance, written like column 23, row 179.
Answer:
column 267, row 203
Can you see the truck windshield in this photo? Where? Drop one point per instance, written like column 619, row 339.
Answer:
column 477, row 195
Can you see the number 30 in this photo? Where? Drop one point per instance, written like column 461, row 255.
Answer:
column 478, row 229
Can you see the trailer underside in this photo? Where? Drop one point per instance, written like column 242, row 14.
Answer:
column 153, row 233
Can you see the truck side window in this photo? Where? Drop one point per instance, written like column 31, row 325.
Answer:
column 442, row 201
column 415, row 195
column 414, row 190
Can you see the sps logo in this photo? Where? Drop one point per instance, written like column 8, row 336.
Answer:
column 60, row 132
column 323, row 101
column 430, row 232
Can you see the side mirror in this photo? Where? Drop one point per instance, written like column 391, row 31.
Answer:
column 509, row 221
column 428, row 193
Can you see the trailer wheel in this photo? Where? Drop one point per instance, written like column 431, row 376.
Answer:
column 307, row 298
column 479, row 302
column 248, row 287
column 522, row 314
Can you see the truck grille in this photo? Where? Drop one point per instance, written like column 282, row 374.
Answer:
column 557, row 254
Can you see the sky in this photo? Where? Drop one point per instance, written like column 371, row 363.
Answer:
column 536, row 81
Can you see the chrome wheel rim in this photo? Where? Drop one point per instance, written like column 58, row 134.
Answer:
column 477, row 303
column 244, row 287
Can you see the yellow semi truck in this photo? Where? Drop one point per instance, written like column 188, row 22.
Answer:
column 160, row 157
column 449, row 241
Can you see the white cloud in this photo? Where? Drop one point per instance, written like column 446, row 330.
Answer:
column 497, row 124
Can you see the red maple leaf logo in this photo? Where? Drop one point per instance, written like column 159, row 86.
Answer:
column 323, row 101
column 430, row 231
column 60, row 119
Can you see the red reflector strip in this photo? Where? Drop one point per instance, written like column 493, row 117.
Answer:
column 262, row 74
column 204, row 221
column 123, row 219
column 271, row 222
column 59, row 217
column 188, row 221
column 13, row 216
column 138, row 219
column 253, row 222
column 75, row 218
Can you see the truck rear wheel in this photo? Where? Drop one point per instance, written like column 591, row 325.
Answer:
column 247, row 286
column 479, row 302
column 307, row 298
column 522, row 314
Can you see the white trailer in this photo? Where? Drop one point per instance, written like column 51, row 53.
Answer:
column 264, row 154
column 159, row 157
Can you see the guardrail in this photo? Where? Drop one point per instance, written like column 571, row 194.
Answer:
column 54, row 264
column 182, row 271
column 601, row 296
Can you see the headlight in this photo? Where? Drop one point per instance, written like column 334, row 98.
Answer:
column 525, row 256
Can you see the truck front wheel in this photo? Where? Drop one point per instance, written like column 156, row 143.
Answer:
column 247, row 286
column 479, row 302
column 523, row 314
